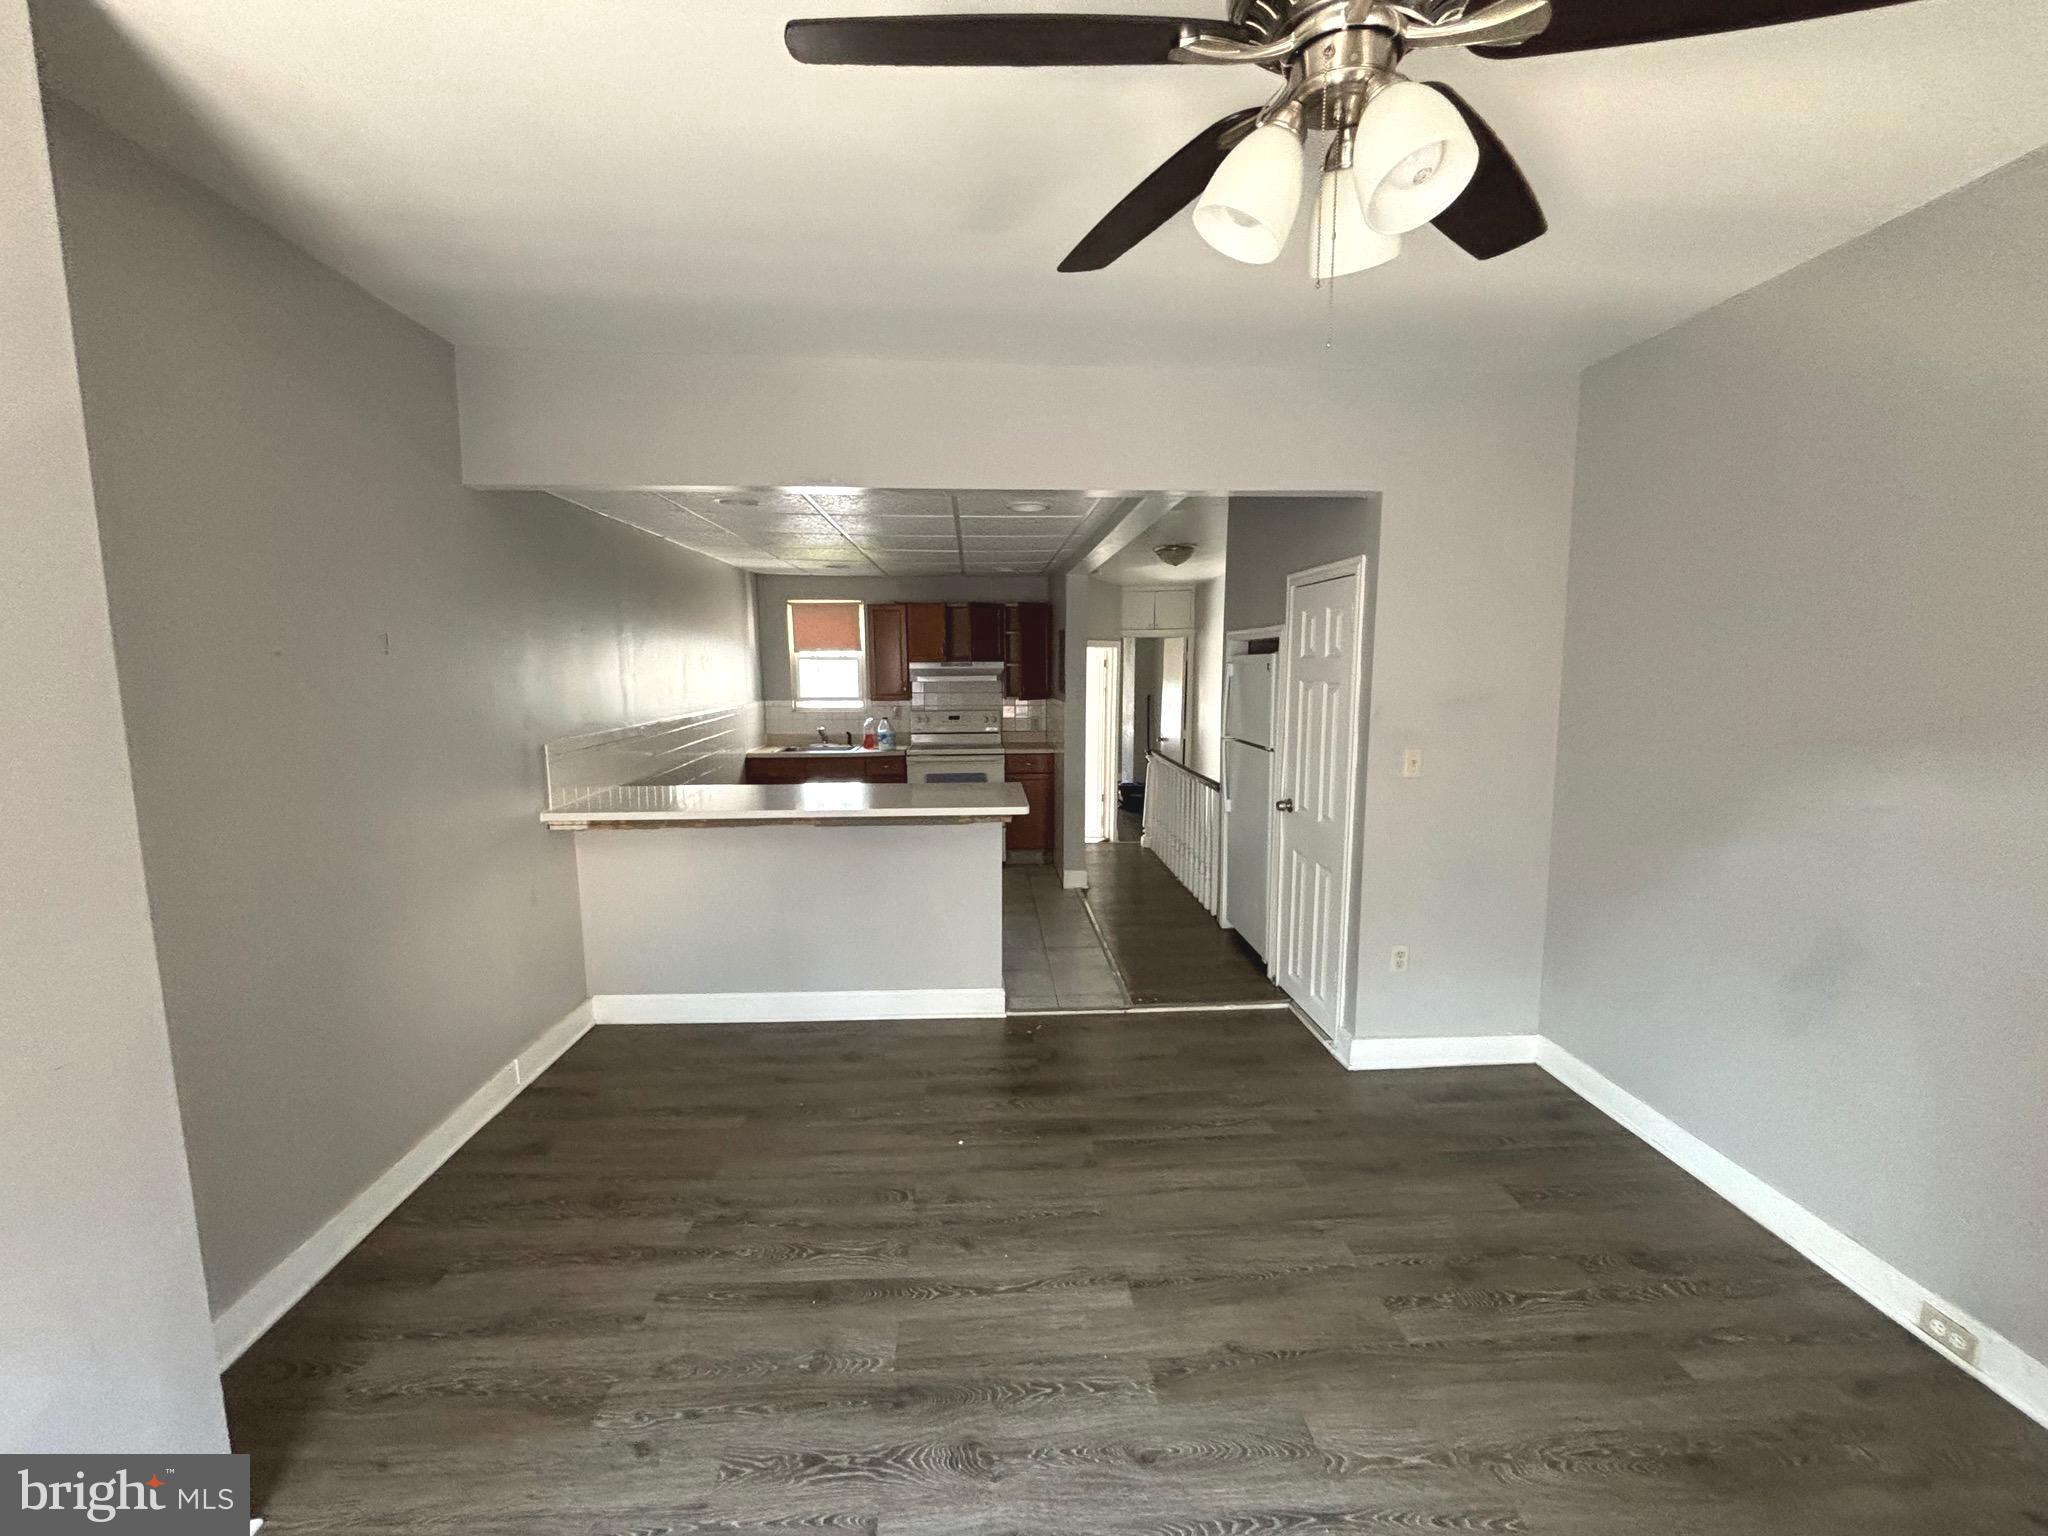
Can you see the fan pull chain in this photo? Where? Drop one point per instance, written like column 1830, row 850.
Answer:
column 1326, row 275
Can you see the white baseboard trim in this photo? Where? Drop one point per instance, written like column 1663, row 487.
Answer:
column 796, row 1007
column 250, row 1315
column 2001, row 1365
column 1396, row 1053
column 1074, row 879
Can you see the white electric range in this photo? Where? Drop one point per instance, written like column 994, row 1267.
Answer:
column 956, row 723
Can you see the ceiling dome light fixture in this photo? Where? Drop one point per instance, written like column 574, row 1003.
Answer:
column 1414, row 157
column 736, row 501
column 1174, row 554
column 1248, row 208
column 1029, row 506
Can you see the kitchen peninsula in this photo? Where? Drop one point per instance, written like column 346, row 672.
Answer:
column 827, row 900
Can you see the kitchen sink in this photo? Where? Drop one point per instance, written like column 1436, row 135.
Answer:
column 824, row 746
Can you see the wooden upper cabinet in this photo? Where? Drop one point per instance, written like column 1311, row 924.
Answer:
column 984, row 632
column 888, row 651
column 1030, row 651
column 924, row 631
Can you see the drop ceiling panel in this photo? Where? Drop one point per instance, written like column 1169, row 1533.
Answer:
column 867, row 503
column 862, row 531
column 1057, row 527
column 716, row 503
column 1000, row 503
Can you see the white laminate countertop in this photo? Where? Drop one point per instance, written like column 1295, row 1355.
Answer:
column 851, row 802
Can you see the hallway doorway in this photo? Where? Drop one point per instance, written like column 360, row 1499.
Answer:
column 1104, row 696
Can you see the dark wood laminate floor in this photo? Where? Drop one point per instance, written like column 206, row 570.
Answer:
column 1166, row 947
column 1169, row 1275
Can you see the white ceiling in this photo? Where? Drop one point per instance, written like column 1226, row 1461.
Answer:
column 652, row 173
column 825, row 531
column 1203, row 521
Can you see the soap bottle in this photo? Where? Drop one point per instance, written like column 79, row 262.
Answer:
column 867, row 733
column 885, row 734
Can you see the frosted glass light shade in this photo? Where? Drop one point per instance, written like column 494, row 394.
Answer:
column 1248, row 208
column 1341, row 241
column 1414, row 157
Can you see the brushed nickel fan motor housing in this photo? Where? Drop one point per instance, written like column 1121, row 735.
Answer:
column 1333, row 78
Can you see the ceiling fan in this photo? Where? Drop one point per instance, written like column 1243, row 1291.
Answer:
column 1401, row 153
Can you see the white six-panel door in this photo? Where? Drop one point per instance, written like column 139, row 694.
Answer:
column 1313, row 791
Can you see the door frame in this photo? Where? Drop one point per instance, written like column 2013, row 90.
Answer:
column 1278, row 912
column 1233, row 637
column 1108, row 753
column 1127, row 668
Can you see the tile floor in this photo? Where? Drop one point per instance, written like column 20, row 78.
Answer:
column 1052, row 957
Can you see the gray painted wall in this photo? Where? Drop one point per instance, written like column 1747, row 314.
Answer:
column 1071, row 602
column 1271, row 537
column 1205, row 682
column 773, row 594
column 799, row 909
column 339, row 666
column 1800, row 877
column 105, row 1344
column 1105, row 610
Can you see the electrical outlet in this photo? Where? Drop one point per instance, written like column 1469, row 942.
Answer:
column 1398, row 960
column 1411, row 763
column 1948, row 1333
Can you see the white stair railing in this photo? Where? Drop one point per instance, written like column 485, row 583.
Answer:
column 1184, row 825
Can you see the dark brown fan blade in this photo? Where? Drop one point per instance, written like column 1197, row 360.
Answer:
column 1578, row 24
column 1177, row 182
column 998, row 40
column 1497, row 213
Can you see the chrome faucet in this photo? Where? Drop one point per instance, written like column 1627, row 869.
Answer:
column 823, row 739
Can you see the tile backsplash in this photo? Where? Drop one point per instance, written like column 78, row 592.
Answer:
column 784, row 718
column 707, row 747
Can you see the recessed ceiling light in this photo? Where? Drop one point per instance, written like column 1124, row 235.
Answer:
column 736, row 501
column 1029, row 506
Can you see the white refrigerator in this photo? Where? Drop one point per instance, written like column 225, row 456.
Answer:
column 1247, row 793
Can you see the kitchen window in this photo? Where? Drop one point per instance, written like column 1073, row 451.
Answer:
column 827, row 662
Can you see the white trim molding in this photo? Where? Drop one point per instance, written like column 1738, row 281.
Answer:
column 1398, row 1052
column 250, row 1315
column 2001, row 1364
column 796, row 1007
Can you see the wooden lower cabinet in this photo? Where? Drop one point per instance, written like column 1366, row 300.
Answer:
column 890, row 769
column 1032, row 832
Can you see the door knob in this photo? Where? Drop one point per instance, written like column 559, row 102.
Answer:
column 1284, row 805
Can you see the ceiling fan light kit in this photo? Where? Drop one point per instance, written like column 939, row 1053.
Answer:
column 1248, row 208
column 1341, row 242
column 1414, row 157
column 1406, row 153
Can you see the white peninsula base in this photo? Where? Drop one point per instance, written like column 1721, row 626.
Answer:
column 838, row 919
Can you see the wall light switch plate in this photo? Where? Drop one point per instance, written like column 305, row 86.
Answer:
column 1411, row 763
